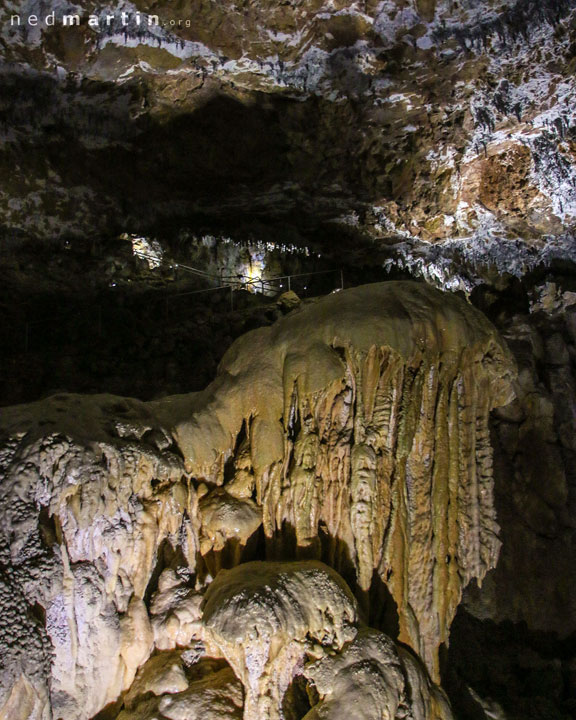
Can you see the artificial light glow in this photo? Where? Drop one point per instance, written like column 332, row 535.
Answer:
column 149, row 250
column 253, row 277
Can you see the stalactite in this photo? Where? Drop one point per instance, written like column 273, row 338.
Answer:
column 354, row 431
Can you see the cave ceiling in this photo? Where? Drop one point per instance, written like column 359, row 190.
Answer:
column 288, row 360
column 414, row 122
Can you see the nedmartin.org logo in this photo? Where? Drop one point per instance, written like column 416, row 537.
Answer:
column 96, row 22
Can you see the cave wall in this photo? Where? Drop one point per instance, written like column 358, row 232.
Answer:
column 424, row 120
column 426, row 139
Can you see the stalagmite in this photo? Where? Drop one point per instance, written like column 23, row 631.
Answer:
column 372, row 679
column 266, row 617
column 354, row 431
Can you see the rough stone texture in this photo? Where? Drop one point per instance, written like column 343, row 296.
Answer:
column 377, row 680
column 342, row 413
column 382, row 115
column 512, row 642
column 86, row 503
column 323, row 422
column 174, row 686
column 437, row 138
column 266, row 617
column 277, row 623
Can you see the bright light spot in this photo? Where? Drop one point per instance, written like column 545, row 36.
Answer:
column 149, row 250
column 253, row 275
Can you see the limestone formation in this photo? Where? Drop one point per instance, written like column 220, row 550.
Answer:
column 375, row 680
column 168, row 687
column 353, row 431
column 369, row 445
column 266, row 617
column 175, row 173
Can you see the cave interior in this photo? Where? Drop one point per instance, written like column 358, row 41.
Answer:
column 288, row 360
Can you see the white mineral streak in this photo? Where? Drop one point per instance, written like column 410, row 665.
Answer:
column 85, row 504
column 355, row 427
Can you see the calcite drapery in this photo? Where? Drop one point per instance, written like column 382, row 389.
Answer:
column 357, row 426
column 269, row 618
column 365, row 418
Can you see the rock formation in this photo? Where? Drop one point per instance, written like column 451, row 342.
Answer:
column 417, row 121
column 376, row 680
column 257, row 142
column 266, row 618
column 353, row 431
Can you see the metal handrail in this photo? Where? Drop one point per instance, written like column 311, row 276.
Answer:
column 226, row 283
column 237, row 279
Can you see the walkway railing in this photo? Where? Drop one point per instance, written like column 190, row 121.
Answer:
column 241, row 281
column 230, row 284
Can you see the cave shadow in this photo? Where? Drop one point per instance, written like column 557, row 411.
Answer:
column 526, row 673
column 229, row 155
column 376, row 605
column 504, row 667
column 168, row 557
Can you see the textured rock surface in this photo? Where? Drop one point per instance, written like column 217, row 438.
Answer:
column 426, row 138
column 344, row 451
column 277, row 623
column 323, row 422
column 266, row 617
column 518, row 631
column 393, row 117
column 377, row 680
column 85, row 508
column 175, row 687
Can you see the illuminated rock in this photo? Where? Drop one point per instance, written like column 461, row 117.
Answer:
column 356, row 427
column 266, row 617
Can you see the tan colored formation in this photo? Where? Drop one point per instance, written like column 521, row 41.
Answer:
column 354, row 431
column 273, row 622
column 375, row 680
column 266, row 618
column 360, row 426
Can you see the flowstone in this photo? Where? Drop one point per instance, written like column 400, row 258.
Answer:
column 353, row 431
